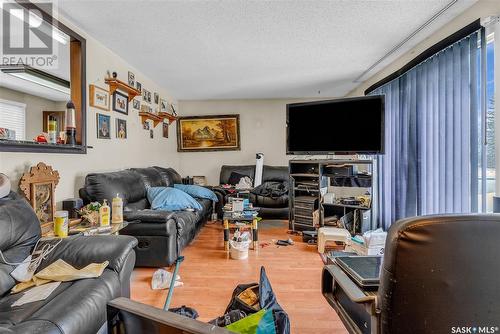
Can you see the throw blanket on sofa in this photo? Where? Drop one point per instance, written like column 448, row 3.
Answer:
column 271, row 189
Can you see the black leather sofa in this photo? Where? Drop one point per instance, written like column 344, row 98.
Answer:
column 161, row 234
column 439, row 275
column 74, row 307
column 271, row 208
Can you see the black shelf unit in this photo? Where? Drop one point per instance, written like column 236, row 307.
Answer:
column 313, row 177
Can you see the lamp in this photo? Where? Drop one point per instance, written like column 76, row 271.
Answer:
column 37, row 76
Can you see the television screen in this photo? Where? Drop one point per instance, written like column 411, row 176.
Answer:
column 344, row 126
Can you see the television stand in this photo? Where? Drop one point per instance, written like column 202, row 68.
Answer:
column 322, row 189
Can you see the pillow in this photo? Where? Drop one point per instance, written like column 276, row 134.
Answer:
column 235, row 177
column 197, row 191
column 171, row 199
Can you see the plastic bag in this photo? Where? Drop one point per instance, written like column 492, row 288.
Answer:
column 162, row 278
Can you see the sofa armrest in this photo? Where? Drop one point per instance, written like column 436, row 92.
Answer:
column 79, row 251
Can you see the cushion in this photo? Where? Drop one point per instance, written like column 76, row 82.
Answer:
column 235, row 177
column 197, row 191
column 171, row 199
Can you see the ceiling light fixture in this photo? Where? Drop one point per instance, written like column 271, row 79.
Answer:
column 39, row 77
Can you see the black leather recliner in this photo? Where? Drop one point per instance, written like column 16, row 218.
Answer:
column 439, row 275
column 161, row 234
column 270, row 207
column 74, row 307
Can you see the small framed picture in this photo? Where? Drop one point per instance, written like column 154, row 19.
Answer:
column 163, row 105
column 121, row 128
column 145, row 95
column 165, row 130
column 120, row 102
column 138, row 86
column 136, row 104
column 149, row 97
column 151, row 134
column 145, row 125
column 131, row 79
column 99, row 97
column 43, row 201
column 156, row 97
column 103, row 126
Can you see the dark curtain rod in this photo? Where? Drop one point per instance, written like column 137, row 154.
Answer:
column 441, row 45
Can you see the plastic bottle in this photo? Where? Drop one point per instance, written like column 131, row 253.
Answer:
column 52, row 127
column 117, row 210
column 104, row 214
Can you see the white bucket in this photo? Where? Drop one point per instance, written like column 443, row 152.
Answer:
column 239, row 250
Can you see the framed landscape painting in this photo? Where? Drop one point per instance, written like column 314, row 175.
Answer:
column 208, row 133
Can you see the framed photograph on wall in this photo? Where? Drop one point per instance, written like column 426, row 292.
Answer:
column 165, row 129
column 163, row 105
column 99, row 97
column 121, row 128
column 136, row 104
column 120, row 102
column 208, row 133
column 131, row 79
column 138, row 86
column 103, row 126
column 156, row 98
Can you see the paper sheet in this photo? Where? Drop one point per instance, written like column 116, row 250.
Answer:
column 36, row 293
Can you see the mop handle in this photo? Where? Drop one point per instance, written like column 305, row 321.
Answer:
column 172, row 283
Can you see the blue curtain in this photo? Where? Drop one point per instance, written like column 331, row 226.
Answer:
column 432, row 138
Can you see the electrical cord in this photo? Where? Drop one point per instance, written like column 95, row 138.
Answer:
column 44, row 252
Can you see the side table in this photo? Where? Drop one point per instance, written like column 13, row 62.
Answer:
column 230, row 217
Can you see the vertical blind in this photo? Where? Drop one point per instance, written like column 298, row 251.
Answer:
column 13, row 117
column 433, row 136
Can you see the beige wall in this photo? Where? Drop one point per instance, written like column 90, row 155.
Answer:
column 262, row 128
column 106, row 155
column 482, row 9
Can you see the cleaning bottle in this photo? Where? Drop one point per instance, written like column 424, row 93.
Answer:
column 104, row 214
column 117, row 210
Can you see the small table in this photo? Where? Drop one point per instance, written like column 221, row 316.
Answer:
column 75, row 227
column 231, row 217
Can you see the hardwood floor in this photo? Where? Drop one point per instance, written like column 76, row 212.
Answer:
column 210, row 276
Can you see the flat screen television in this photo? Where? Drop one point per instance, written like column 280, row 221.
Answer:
column 343, row 126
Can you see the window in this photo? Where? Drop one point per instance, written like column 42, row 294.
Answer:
column 13, row 117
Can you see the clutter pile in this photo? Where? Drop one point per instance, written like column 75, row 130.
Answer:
column 370, row 243
column 254, row 309
column 240, row 243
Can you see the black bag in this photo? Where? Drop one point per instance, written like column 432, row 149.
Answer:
column 267, row 300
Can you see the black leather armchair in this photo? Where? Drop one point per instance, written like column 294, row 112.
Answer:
column 270, row 207
column 161, row 234
column 74, row 307
column 439, row 273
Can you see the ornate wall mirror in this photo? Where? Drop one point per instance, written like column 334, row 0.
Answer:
column 42, row 68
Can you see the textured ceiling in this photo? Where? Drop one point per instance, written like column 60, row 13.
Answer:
column 256, row 49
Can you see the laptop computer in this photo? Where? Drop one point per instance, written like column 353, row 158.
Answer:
column 363, row 270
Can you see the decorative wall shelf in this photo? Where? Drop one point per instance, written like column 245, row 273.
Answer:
column 165, row 115
column 115, row 84
column 149, row 116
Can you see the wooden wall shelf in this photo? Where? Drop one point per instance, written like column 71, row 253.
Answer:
column 165, row 115
column 115, row 84
column 149, row 116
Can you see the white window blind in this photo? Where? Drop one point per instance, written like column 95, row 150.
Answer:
column 13, row 117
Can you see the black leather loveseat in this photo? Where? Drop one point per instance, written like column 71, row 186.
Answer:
column 272, row 207
column 161, row 234
column 74, row 307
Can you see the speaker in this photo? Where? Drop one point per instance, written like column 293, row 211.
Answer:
column 72, row 205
